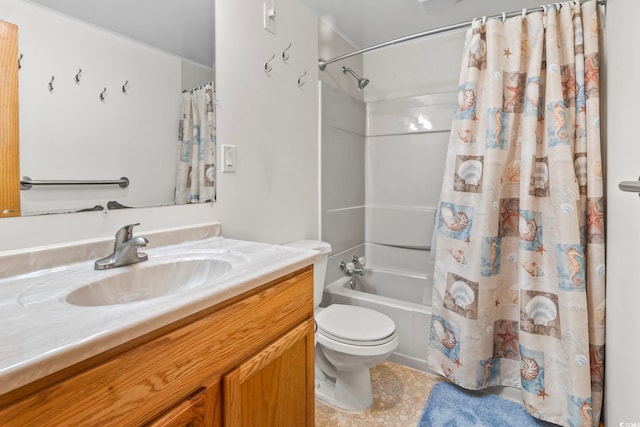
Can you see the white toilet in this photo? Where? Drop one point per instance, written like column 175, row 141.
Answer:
column 349, row 340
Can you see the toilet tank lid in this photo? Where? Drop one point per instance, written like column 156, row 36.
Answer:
column 315, row 245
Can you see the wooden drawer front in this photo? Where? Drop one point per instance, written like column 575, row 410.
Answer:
column 190, row 413
column 138, row 385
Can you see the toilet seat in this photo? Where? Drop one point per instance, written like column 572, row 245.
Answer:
column 355, row 330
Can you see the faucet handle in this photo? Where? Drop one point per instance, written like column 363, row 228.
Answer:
column 125, row 234
column 358, row 260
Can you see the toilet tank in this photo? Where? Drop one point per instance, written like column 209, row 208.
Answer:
column 319, row 268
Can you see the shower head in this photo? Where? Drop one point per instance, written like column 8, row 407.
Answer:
column 362, row 82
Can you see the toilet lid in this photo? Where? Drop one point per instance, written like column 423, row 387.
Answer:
column 348, row 323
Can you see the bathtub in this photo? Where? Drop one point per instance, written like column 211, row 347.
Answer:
column 398, row 295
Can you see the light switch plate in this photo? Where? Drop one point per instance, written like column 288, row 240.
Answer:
column 229, row 158
column 269, row 16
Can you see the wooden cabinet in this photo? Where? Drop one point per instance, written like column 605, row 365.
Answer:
column 196, row 411
column 245, row 362
column 9, row 130
column 267, row 389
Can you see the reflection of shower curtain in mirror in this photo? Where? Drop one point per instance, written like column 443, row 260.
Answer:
column 195, row 174
column 519, row 278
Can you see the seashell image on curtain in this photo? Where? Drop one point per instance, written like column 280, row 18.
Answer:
column 518, row 296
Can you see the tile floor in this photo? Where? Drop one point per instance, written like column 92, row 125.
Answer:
column 399, row 395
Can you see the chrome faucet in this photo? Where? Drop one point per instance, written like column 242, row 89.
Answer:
column 125, row 250
column 355, row 267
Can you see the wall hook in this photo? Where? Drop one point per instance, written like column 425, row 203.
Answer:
column 300, row 81
column 20, row 61
column 285, row 53
column 103, row 95
column 267, row 65
column 51, row 83
column 124, row 87
column 77, row 78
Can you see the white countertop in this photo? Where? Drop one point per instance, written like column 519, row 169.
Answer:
column 44, row 335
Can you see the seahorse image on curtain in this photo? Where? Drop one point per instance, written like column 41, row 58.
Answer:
column 196, row 157
column 518, row 296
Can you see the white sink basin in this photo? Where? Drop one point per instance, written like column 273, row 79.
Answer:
column 145, row 281
column 164, row 274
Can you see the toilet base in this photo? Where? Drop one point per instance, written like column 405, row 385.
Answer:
column 351, row 391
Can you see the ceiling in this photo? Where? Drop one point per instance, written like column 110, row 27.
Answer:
column 368, row 22
column 182, row 27
column 185, row 27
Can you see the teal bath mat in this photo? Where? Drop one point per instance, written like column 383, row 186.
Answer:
column 451, row 406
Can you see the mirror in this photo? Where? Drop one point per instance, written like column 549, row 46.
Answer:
column 100, row 88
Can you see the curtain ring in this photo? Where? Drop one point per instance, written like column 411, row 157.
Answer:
column 484, row 20
column 504, row 17
column 544, row 9
column 524, row 13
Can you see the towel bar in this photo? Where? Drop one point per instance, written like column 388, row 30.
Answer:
column 26, row 182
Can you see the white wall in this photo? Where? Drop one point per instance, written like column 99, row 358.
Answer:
column 274, row 195
column 342, row 152
column 331, row 45
column 194, row 75
column 622, row 371
column 69, row 133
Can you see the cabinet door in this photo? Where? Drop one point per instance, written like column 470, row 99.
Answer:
column 202, row 409
column 274, row 387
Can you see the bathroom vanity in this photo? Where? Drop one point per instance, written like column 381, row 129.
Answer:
column 237, row 352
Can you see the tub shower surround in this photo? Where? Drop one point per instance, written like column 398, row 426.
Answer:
column 380, row 196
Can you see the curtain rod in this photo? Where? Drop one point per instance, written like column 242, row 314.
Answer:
column 322, row 64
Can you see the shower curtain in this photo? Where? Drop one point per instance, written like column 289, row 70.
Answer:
column 519, row 279
column 196, row 169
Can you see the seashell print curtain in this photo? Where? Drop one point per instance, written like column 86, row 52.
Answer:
column 196, row 170
column 519, row 284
